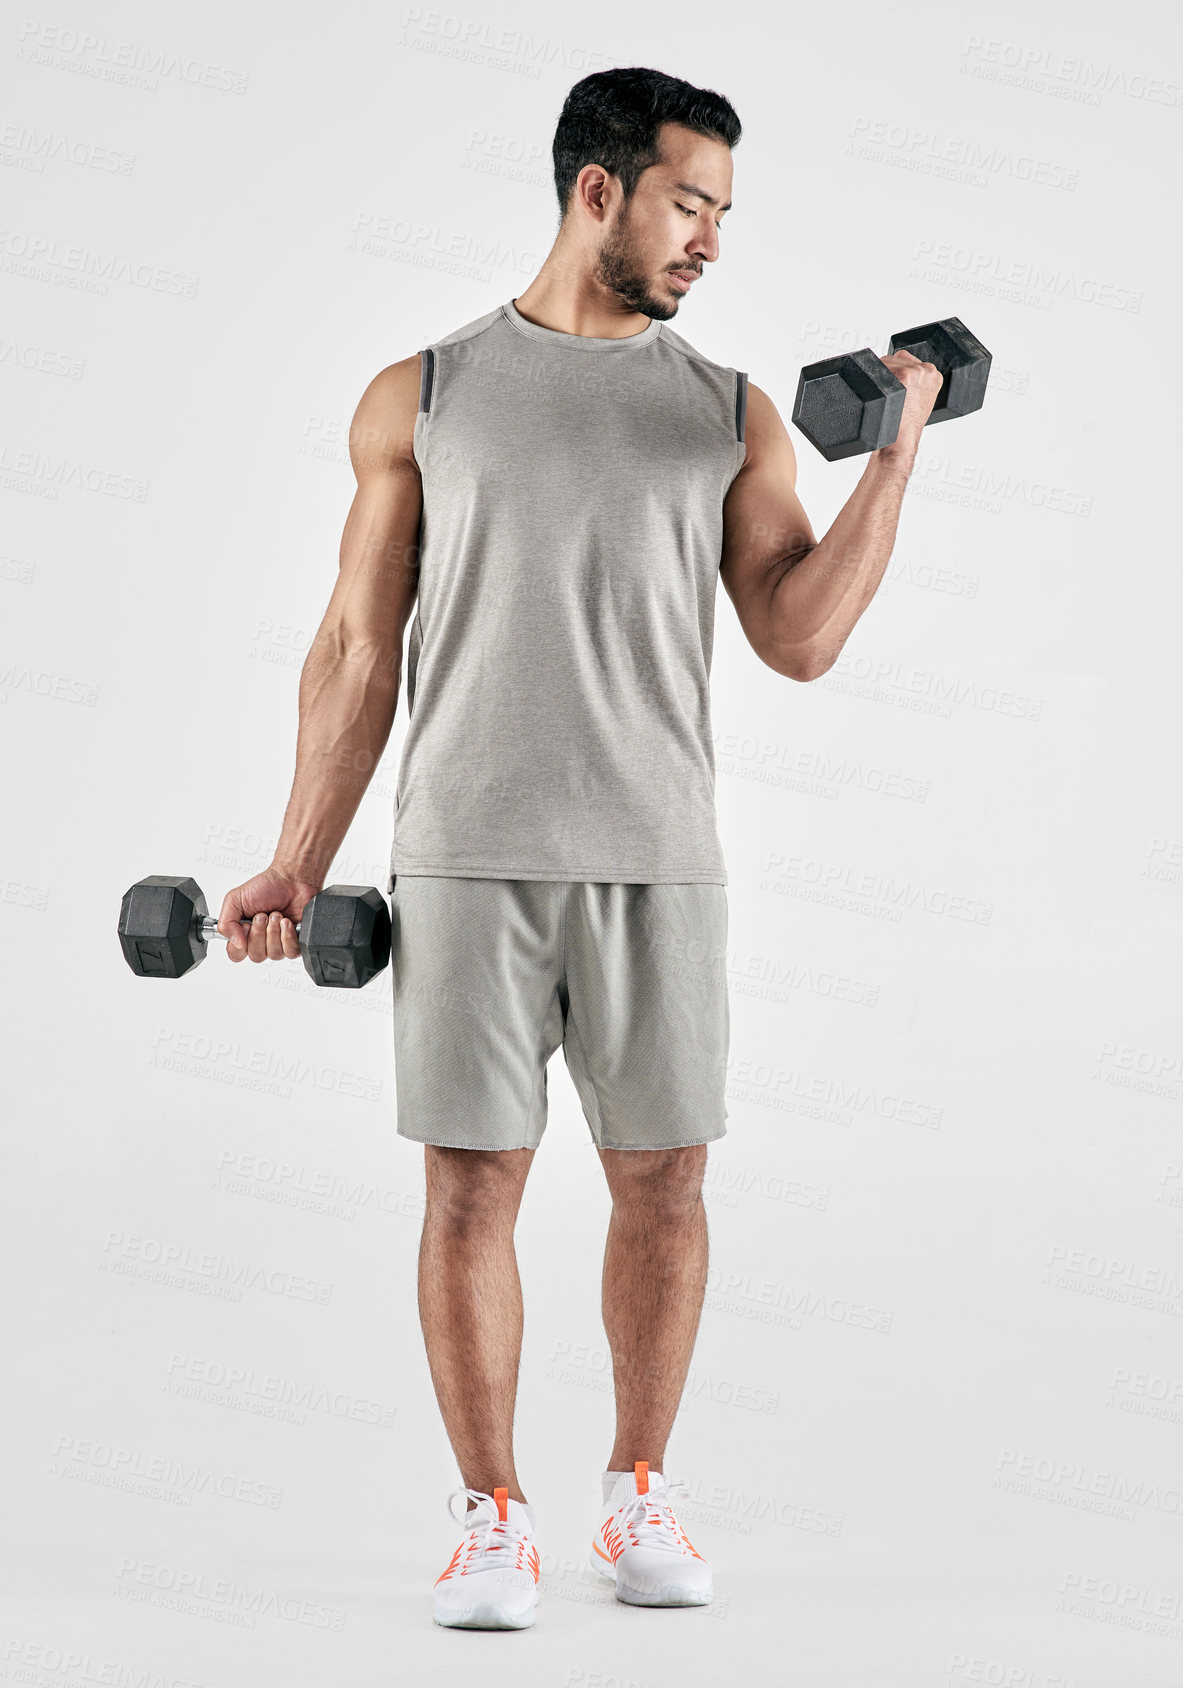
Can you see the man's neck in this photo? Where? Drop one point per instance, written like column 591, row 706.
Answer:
column 577, row 305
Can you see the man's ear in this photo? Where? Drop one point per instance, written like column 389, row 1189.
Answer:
column 591, row 185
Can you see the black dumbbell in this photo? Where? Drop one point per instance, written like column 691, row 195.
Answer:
column 165, row 929
column 853, row 403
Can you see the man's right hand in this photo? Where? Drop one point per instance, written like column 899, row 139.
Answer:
column 276, row 900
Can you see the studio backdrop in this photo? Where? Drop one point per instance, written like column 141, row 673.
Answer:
column 933, row 1426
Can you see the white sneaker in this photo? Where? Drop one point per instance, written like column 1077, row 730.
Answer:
column 492, row 1578
column 644, row 1549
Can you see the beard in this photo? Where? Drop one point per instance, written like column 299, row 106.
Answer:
column 618, row 269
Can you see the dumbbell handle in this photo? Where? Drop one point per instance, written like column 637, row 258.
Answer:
column 208, row 927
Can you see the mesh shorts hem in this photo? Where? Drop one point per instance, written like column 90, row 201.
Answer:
column 692, row 1143
column 439, row 1143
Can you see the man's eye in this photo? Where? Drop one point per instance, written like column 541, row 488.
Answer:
column 691, row 213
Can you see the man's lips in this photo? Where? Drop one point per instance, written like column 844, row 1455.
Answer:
column 684, row 278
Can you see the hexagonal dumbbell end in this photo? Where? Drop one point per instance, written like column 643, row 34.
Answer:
column 159, row 926
column 961, row 358
column 848, row 404
column 345, row 935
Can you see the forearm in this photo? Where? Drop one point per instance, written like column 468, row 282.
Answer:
column 818, row 597
column 348, row 696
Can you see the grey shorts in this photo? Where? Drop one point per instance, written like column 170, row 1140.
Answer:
column 492, row 975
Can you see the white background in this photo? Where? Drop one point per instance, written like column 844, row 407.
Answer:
column 934, row 1423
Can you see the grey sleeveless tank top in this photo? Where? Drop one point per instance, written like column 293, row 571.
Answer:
column 558, row 663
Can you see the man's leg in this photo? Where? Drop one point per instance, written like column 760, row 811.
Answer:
column 655, row 1271
column 470, row 1304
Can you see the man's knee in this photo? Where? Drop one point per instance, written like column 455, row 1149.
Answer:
column 655, row 1178
column 475, row 1186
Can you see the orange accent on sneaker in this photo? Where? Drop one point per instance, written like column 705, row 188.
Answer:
column 501, row 1496
column 451, row 1565
column 641, row 1467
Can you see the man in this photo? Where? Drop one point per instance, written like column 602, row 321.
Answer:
column 560, row 483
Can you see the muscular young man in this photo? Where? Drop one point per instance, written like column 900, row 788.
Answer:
column 559, row 484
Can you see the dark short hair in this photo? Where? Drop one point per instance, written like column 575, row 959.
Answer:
column 613, row 116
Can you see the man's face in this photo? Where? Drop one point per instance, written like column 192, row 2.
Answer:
column 660, row 239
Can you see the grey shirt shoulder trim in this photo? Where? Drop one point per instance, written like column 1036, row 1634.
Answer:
column 426, row 377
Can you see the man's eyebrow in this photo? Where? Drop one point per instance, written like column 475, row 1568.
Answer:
column 700, row 193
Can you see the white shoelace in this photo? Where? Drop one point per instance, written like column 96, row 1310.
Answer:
column 485, row 1529
column 650, row 1518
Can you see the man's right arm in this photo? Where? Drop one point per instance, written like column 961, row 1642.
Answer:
column 350, row 679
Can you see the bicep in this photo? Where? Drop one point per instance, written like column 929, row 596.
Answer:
column 378, row 574
column 765, row 527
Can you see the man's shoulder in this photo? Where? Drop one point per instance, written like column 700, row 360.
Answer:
column 393, row 399
column 382, row 430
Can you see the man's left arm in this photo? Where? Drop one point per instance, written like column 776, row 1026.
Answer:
column 797, row 597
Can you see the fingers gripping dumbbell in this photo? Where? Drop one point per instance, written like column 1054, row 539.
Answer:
column 853, row 403
column 165, row 929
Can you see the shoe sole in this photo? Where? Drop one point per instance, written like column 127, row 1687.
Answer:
column 486, row 1615
column 676, row 1595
